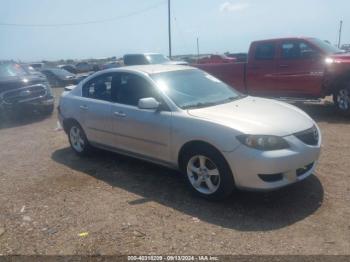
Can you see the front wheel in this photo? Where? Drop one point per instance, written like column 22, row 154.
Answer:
column 78, row 140
column 208, row 174
column 341, row 100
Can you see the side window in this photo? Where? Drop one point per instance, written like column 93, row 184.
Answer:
column 99, row 88
column 132, row 88
column 265, row 51
column 297, row 50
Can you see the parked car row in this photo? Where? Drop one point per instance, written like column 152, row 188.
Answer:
column 216, row 59
column 59, row 77
column 149, row 59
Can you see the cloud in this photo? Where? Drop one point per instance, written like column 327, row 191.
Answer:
column 233, row 7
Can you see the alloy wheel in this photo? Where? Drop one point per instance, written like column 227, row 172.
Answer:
column 203, row 174
column 76, row 139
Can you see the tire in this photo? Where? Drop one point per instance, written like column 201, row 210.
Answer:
column 207, row 173
column 341, row 99
column 47, row 110
column 77, row 140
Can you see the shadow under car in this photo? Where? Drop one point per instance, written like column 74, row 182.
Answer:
column 244, row 211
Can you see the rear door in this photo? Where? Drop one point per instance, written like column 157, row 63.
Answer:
column 261, row 69
column 95, row 108
column 299, row 69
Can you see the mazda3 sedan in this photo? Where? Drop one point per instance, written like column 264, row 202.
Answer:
column 184, row 118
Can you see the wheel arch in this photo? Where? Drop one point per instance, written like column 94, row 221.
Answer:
column 193, row 144
column 336, row 83
column 68, row 122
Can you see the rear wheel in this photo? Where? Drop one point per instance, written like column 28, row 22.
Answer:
column 341, row 99
column 78, row 140
column 207, row 173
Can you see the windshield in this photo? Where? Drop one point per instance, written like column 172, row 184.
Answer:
column 157, row 59
column 326, row 47
column 7, row 70
column 29, row 69
column 194, row 88
column 61, row 72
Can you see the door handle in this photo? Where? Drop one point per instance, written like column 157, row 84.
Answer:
column 84, row 108
column 119, row 114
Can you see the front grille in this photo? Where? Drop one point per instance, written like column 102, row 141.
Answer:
column 25, row 94
column 309, row 136
column 4, row 87
column 301, row 171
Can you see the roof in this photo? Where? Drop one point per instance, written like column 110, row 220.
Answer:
column 142, row 54
column 154, row 69
column 283, row 38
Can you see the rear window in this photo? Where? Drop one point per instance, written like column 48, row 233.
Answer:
column 265, row 51
column 135, row 60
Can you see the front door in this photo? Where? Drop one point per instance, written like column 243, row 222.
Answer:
column 140, row 131
column 299, row 69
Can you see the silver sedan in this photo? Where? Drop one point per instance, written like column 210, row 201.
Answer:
column 186, row 119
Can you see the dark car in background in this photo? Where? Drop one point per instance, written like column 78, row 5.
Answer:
column 346, row 47
column 70, row 68
column 150, row 59
column 21, row 91
column 32, row 71
column 113, row 64
column 37, row 66
column 83, row 67
column 59, row 77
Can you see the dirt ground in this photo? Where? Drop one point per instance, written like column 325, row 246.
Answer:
column 49, row 196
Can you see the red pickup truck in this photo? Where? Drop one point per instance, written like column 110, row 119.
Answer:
column 290, row 68
column 216, row 59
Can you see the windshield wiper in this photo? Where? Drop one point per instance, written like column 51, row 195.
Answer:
column 205, row 104
column 197, row 105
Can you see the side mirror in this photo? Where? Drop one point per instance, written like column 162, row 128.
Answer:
column 148, row 103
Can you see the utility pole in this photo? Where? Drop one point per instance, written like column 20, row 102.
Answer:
column 340, row 29
column 197, row 49
column 169, row 27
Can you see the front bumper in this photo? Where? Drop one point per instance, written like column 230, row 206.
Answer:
column 38, row 103
column 268, row 170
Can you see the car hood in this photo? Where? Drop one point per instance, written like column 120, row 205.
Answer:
column 13, row 82
column 252, row 115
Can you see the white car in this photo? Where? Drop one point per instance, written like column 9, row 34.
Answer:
column 184, row 118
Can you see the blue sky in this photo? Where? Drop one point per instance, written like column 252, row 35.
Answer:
column 221, row 25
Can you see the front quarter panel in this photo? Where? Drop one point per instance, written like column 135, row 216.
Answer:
column 186, row 128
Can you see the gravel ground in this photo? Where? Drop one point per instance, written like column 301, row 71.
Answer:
column 53, row 202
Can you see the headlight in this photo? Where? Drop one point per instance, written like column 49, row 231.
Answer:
column 262, row 142
column 329, row 60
